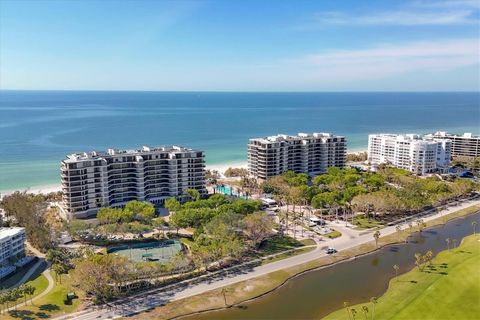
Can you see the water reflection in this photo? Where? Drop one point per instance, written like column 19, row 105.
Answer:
column 317, row 293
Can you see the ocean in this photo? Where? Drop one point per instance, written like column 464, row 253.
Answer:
column 38, row 128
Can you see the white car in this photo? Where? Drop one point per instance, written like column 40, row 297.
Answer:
column 330, row 250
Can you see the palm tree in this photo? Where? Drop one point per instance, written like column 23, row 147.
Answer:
column 376, row 235
column 15, row 294
column 374, row 301
column 418, row 260
column 296, row 199
column 24, row 293
column 429, row 256
column 474, row 225
column 7, row 297
column 354, row 313
column 345, row 305
column 448, row 243
column 224, row 292
column 398, row 228
column 345, row 215
column 420, row 225
column 365, row 312
column 30, row 290
column 3, row 300
column 396, row 267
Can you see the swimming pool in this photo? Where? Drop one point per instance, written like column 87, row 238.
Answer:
column 229, row 191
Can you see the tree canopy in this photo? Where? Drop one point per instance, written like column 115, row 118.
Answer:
column 28, row 211
column 134, row 210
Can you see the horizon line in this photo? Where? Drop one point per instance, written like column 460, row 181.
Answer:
column 241, row 91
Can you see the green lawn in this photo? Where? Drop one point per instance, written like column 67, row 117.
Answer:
column 308, row 242
column 449, row 289
column 363, row 223
column 278, row 244
column 332, row 235
column 288, row 255
column 48, row 306
column 40, row 284
column 6, row 283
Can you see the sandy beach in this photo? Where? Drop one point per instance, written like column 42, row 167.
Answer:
column 221, row 168
column 35, row 190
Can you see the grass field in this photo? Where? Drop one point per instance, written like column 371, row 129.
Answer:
column 10, row 281
column 448, row 289
column 332, row 235
column 278, row 244
column 364, row 223
column 288, row 254
column 40, row 284
column 48, row 306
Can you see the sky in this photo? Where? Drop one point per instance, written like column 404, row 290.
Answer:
column 240, row 45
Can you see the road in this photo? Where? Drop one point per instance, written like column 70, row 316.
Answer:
column 151, row 299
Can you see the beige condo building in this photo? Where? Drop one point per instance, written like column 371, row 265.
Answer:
column 462, row 145
column 92, row 180
column 310, row 153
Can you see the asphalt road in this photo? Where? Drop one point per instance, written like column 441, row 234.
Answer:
column 151, row 299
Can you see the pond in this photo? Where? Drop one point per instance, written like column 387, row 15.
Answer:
column 159, row 250
column 317, row 293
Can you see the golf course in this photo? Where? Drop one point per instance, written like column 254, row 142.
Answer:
column 447, row 287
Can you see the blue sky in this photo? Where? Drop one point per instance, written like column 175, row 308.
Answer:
column 240, row 45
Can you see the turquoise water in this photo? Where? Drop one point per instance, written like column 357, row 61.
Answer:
column 227, row 190
column 38, row 128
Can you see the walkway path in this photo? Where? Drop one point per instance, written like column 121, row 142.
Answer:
column 46, row 273
column 32, row 268
column 34, row 250
column 51, row 284
column 153, row 298
column 27, row 275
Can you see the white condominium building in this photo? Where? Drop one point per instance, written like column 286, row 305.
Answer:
column 410, row 152
column 465, row 145
column 310, row 153
column 93, row 180
column 12, row 244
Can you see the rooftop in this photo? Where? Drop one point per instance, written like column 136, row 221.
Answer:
column 407, row 137
column 299, row 136
column 447, row 135
column 8, row 232
column 98, row 155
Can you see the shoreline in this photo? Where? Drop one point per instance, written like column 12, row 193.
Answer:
column 220, row 167
column 44, row 189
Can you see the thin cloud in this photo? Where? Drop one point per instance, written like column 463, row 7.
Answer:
column 447, row 4
column 399, row 18
column 389, row 60
column 418, row 13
